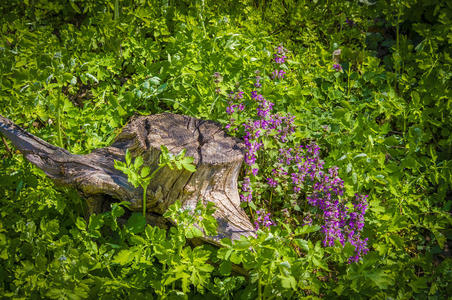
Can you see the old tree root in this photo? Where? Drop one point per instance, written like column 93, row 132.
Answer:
column 218, row 158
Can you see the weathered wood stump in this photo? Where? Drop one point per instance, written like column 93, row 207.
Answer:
column 218, row 158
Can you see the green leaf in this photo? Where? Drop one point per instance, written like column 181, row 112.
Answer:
column 181, row 154
column 360, row 155
column 288, row 282
column 80, row 223
column 380, row 279
column 136, row 223
column 440, row 238
column 154, row 80
column 75, row 7
column 187, row 160
column 95, row 222
column 307, row 229
column 196, row 67
column 235, row 257
column 138, row 162
column 225, row 268
column 128, row 157
column 192, row 232
column 92, row 77
column 124, row 257
column 320, row 263
column 242, row 243
column 117, row 210
column 189, row 167
column 252, row 205
column 145, row 171
column 348, row 249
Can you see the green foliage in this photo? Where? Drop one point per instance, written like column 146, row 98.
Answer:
column 139, row 175
column 74, row 72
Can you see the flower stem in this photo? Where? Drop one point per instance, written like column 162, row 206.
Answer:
column 60, row 139
column 348, row 80
column 259, row 288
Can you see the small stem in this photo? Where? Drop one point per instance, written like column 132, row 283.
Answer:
column 145, row 187
column 6, row 146
column 155, row 171
column 259, row 288
column 60, row 139
column 397, row 32
column 116, row 10
column 111, row 273
column 348, row 80
column 397, row 63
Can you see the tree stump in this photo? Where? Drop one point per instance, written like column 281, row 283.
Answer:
column 218, row 158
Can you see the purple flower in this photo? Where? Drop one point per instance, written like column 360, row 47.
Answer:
column 279, row 56
column 271, row 182
column 257, row 84
column 239, row 95
column 278, row 74
column 337, row 67
column 230, row 110
column 280, row 59
column 263, row 219
column 349, row 22
column 299, row 169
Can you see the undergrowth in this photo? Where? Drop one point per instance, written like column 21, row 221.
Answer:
column 359, row 97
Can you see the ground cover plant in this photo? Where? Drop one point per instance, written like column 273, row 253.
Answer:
column 345, row 111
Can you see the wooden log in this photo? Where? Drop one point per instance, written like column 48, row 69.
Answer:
column 218, row 158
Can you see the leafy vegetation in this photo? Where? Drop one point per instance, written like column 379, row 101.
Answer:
column 140, row 175
column 369, row 83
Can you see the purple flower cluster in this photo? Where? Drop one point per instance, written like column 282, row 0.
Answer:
column 280, row 55
column 355, row 225
column 349, row 22
column 247, row 190
column 337, row 67
column 279, row 58
column 267, row 124
column 258, row 83
column 278, row 74
column 263, row 219
column 297, row 169
column 234, row 105
column 325, row 191
column 217, row 79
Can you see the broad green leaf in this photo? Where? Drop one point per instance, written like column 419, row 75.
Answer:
column 136, row 223
column 225, row 268
column 128, row 157
column 117, row 210
column 124, row 257
column 288, row 282
column 138, row 162
column 154, row 80
column 80, row 223
column 242, row 243
column 380, row 278
column 145, row 171
column 189, row 167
